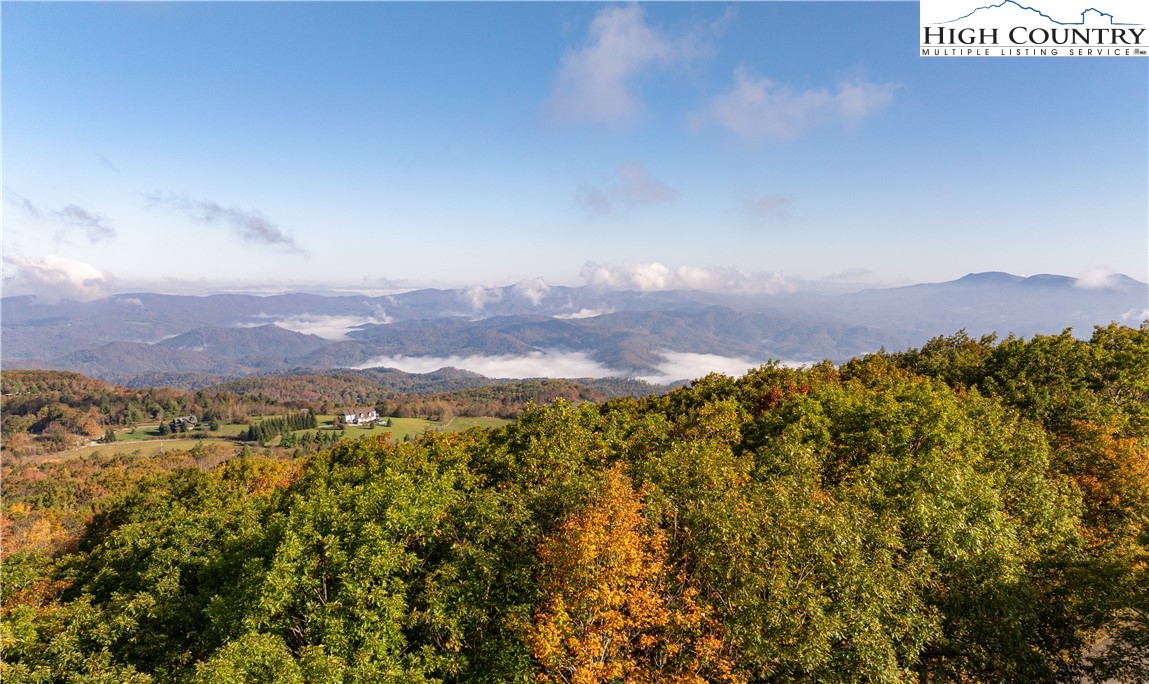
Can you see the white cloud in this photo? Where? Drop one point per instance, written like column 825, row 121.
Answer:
column 632, row 187
column 677, row 366
column 757, row 108
column 532, row 289
column 53, row 278
column 596, row 82
column 655, row 276
column 1135, row 315
column 581, row 313
column 1096, row 278
column 478, row 296
column 552, row 364
column 326, row 326
column 533, row 365
column 688, row 366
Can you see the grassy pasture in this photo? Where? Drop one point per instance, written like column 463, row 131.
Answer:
column 411, row 427
column 144, row 448
column 146, row 441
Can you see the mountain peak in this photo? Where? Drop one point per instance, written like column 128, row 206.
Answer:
column 989, row 278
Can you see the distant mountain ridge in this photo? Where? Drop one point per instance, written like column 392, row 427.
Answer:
column 624, row 333
column 265, row 340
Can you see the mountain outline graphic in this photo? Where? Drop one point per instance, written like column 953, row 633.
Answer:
column 1003, row 3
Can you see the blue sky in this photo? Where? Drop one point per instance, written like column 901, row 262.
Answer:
column 203, row 146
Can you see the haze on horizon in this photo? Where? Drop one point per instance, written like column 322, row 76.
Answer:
column 380, row 146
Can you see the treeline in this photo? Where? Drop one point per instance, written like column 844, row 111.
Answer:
column 972, row 511
column 372, row 387
column 320, row 390
column 48, row 411
column 505, row 400
column 269, row 428
column 45, row 411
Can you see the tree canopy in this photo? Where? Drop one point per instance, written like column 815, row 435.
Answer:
column 970, row 511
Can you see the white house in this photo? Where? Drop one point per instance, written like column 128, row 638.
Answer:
column 359, row 416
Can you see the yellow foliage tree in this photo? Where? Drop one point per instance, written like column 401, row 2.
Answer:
column 610, row 609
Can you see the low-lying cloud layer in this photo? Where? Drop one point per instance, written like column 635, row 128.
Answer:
column 581, row 313
column 677, row 366
column 329, row 327
column 654, row 276
column 674, row 366
column 533, row 365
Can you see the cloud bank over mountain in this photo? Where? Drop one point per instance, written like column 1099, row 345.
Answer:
column 53, row 278
column 633, row 320
column 655, row 276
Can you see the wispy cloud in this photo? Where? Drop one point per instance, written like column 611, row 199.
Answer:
column 15, row 199
column 851, row 275
column 594, row 201
column 53, row 278
column 597, row 81
column 765, row 208
column 655, row 276
column 96, row 227
column 249, row 225
column 756, row 108
column 632, row 186
column 107, row 163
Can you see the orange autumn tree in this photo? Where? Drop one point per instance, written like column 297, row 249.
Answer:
column 610, row 610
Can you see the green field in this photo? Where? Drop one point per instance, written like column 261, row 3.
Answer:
column 145, row 432
column 144, row 448
column 461, row 423
column 145, row 439
column 411, row 427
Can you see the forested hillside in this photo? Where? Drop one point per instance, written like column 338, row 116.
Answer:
column 971, row 511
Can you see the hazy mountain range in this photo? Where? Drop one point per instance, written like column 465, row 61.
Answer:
column 531, row 329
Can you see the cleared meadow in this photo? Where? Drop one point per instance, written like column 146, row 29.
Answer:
column 146, row 440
